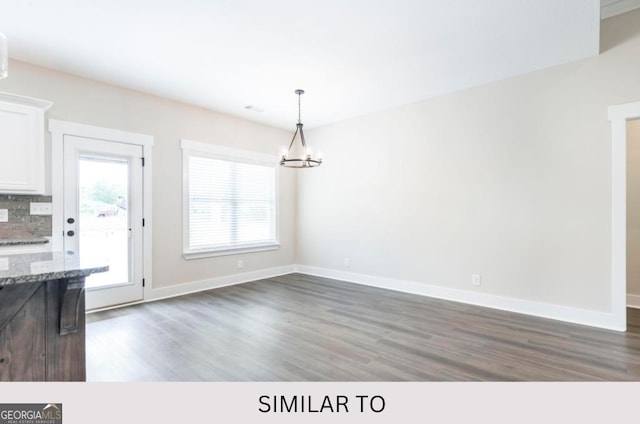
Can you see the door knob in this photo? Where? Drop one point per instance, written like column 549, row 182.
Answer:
column 70, row 233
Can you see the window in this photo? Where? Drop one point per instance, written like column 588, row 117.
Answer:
column 229, row 200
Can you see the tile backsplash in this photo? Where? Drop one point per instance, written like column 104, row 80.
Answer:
column 21, row 224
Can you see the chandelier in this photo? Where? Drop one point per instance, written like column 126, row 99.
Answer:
column 299, row 156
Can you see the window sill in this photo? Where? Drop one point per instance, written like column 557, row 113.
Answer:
column 198, row 254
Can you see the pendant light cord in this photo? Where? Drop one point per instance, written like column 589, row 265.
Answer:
column 298, row 128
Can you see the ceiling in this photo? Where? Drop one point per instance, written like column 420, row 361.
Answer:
column 351, row 57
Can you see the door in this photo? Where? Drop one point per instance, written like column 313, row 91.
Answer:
column 103, row 195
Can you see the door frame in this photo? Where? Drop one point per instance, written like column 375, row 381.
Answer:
column 58, row 130
column 619, row 115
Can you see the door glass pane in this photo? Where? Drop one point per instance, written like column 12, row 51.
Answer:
column 103, row 225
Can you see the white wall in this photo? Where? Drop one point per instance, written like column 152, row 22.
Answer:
column 633, row 207
column 511, row 180
column 90, row 102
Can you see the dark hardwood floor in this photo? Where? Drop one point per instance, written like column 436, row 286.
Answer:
column 302, row 328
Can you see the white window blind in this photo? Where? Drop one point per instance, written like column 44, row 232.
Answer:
column 231, row 203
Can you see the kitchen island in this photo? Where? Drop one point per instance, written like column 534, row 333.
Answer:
column 42, row 322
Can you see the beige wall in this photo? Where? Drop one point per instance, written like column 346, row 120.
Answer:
column 633, row 207
column 89, row 102
column 511, row 180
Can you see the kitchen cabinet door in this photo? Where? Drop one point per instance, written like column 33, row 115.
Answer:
column 22, row 144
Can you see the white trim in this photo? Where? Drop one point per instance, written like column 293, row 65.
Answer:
column 101, row 133
column 108, row 308
column 539, row 309
column 619, row 220
column 25, row 101
column 194, row 254
column 618, row 115
column 58, row 130
column 212, row 283
column 624, row 112
column 147, row 211
column 633, row 301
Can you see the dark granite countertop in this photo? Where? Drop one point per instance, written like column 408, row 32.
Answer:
column 36, row 267
column 21, row 242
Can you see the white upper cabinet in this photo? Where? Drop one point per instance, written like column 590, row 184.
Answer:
column 22, row 144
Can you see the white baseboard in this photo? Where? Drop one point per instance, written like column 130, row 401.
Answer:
column 212, row 283
column 539, row 309
column 633, row 301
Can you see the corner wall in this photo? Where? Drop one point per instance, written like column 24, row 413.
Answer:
column 511, row 180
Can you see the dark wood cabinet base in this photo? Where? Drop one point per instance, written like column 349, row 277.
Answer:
column 42, row 331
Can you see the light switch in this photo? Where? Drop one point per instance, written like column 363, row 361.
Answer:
column 40, row 208
column 4, row 215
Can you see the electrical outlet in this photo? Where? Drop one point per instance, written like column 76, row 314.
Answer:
column 475, row 279
column 4, row 215
column 346, row 262
column 40, row 208
column 240, row 264
column 4, row 264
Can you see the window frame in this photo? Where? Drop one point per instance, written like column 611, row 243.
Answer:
column 213, row 151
